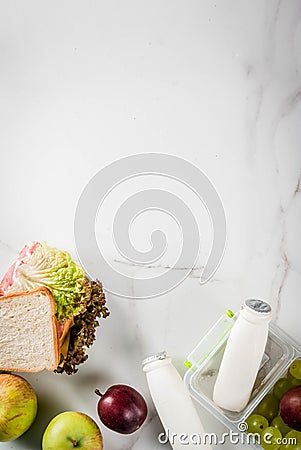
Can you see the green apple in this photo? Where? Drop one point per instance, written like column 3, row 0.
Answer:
column 72, row 429
column 18, row 406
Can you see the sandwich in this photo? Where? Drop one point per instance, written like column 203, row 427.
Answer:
column 49, row 312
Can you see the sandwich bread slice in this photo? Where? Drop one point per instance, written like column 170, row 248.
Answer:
column 28, row 332
column 49, row 311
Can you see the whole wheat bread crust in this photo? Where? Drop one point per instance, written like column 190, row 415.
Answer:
column 54, row 325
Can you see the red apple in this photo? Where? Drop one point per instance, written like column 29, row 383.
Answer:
column 121, row 408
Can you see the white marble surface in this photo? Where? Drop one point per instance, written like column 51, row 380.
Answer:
column 215, row 82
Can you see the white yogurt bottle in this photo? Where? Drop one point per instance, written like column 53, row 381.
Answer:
column 242, row 357
column 174, row 405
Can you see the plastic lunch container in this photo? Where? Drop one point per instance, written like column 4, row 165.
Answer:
column 204, row 361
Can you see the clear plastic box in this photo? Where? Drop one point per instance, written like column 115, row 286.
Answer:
column 204, row 361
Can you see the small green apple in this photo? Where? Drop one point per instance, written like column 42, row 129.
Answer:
column 268, row 407
column 281, row 387
column 256, row 423
column 18, row 406
column 278, row 423
column 270, row 438
column 292, row 441
column 72, row 429
column 296, row 382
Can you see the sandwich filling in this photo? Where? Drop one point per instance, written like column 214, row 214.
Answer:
column 79, row 301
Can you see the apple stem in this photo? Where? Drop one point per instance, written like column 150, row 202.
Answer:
column 97, row 391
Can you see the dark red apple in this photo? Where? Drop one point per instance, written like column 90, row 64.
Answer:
column 121, row 408
column 290, row 408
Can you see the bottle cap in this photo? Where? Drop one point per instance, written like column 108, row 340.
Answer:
column 258, row 306
column 155, row 357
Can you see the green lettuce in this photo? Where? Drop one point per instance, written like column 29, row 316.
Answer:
column 55, row 270
column 83, row 332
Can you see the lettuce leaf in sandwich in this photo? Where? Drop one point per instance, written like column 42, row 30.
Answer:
column 80, row 302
